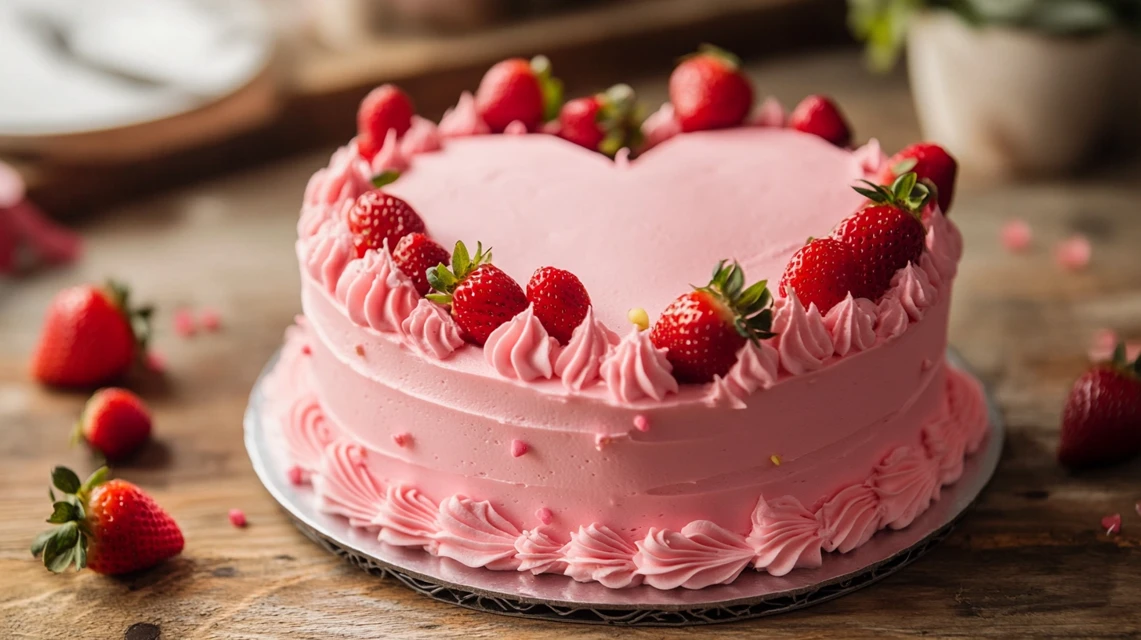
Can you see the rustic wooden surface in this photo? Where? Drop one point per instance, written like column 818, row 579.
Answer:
column 1029, row 559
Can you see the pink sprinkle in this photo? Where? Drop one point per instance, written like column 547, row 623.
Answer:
column 210, row 319
column 1111, row 524
column 601, row 440
column 641, row 423
column 544, row 515
column 184, row 323
column 402, row 439
column 1016, row 235
column 296, row 476
column 238, row 518
column 518, row 448
column 155, row 361
column 1073, row 253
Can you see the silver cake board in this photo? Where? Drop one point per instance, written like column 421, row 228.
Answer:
column 553, row 597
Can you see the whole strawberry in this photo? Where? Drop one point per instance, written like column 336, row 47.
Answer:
column 604, row 122
column 887, row 233
column 559, row 300
column 377, row 216
column 1101, row 422
column 704, row 329
column 709, row 91
column 385, row 107
column 115, row 423
column 820, row 116
column 516, row 89
column 91, row 335
column 934, row 166
column 113, row 527
column 481, row 296
column 823, row 272
column 415, row 254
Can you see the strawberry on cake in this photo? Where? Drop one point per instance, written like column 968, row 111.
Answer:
column 545, row 337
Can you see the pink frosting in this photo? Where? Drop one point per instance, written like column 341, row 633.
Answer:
column 314, row 216
column 871, row 159
column 851, row 517
column 463, row 119
column 599, row 554
column 723, row 393
column 307, row 433
column 906, row 483
column 515, row 128
column 431, row 330
column 756, row 368
column 390, row 157
column 927, row 264
column 771, row 113
column 376, row 293
column 851, row 323
column 538, row 551
column 785, row 536
column 914, row 291
column 660, row 126
column 422, row 137
column 967, row 406
column 346, row 487
column 578, row 363
column 473, row 533
column 702, row 554
column 945, row 441
column 802, row 339
column 891, row 317
column 346, row 177
column 327, row 253
column 635, row 369
column 945, row 244
column 520, row 349
column 407, row 519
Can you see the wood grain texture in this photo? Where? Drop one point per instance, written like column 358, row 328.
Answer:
column 1028, row 560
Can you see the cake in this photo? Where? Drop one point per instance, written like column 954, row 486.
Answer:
column 590, row 459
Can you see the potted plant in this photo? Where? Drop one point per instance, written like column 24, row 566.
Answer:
column 1010, row 86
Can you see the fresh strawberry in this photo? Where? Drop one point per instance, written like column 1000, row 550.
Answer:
column 934, row 166
column 604, row 122
column 516, row 89
column 91, row 335
column 704, row 329
column 709, row 91
column 887, row 233
column 113, row 527
column 820, row 116
column 559, row 300
column 1101, row 422
column 481, row 296
column 115, row 423
column 385, row 107
column 377, row 216
column 415, row 254
column 823, row 272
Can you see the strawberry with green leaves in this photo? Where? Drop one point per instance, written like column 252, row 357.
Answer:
column 1101, row 422
column 704, row 329
column 519, row 90
column 604, row 122
column 481, row 296
column 932, row 164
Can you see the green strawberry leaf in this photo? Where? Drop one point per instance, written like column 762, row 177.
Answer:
column 461, row 260
column 98, row 477
column 65, row 480
column 64, row 512
column 41, row 541
column 59, row 552
column 385, row 178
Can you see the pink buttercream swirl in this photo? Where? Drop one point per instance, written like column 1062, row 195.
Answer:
column 520, row 348
column 723, row 393
column 327, row 253
column 635, row 369
column 315, row 216
column 422, row 137
column 599, row 554
column 870, row 159
column 906, row 483
column 307, row 433
column 967, row 406
column 851, row 323
column 473, row 533
column 463, row 119
column 431, row 331
column 851, row 517
column 290, row 378
column 756, row 368
column 945, row 244
column 944, row 439
column 911, row 286
column 390, row 157
column 539, row 551
column 376, row 293
column 578, row 363
column 891, row 317
column 515, row 128
column 345, row 487
column 702, row 554
column 346, row 177
column 407, row 518
column 802, row 339
column 660, row 126
column 785, row 536
column 771, row 113
column 927, row 264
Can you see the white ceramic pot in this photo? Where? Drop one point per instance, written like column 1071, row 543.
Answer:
column 1013, row 102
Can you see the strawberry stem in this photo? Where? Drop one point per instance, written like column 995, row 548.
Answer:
column 67, row 543
column 906, row 193
column 444, row 281
column 751, row 306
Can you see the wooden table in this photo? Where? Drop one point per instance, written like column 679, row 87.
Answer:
column 1029, row 559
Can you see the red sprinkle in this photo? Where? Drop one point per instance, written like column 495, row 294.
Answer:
column 184, row 323
column 544, row 515
column 402, row 439
column 296, row 476
column 518, row 448
column 306, row 350
column 238, row 517
column 1073, row 253
column 210, row 319
column 641, row 423
column 1111, row 524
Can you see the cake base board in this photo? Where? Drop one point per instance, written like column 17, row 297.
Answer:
column 552, row 597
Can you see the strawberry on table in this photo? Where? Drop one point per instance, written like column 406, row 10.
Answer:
column 603, row 122
column 377, row 216
column 887, row 233
column 1101, row 422
column 517, row 89
column 91, row 335
column 560, row 301
column 385, row 107
column 709, row 91
column 115, row 423
column 820, row 116
column 934, row 166
column 704, row 329
column 480, row 295
column 112, row 527
column 823, row 272
column 415, row 254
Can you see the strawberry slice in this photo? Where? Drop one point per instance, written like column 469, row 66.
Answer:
column 415, row 254
column 823, row 272
column 604, row 122
column 560, row 301
column 377, row 217
column 820, row 116
column 115, row 423
column 481, row 296
column 1101, row 422
column 935, row 167
column 709, row 91
column 516, row 89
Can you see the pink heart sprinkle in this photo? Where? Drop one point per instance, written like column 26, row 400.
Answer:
column 641, row 423
column 402, row 439
column 1073, row 253
column 544, row 515
column 296, row 476
column 1016, row 235
column 518, row 448
column 184, row 323
column 1111, row 524
column 238, row 518
column 210, row 319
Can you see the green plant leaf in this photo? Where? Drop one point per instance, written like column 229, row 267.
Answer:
column 65, row 480
column 64, row 512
